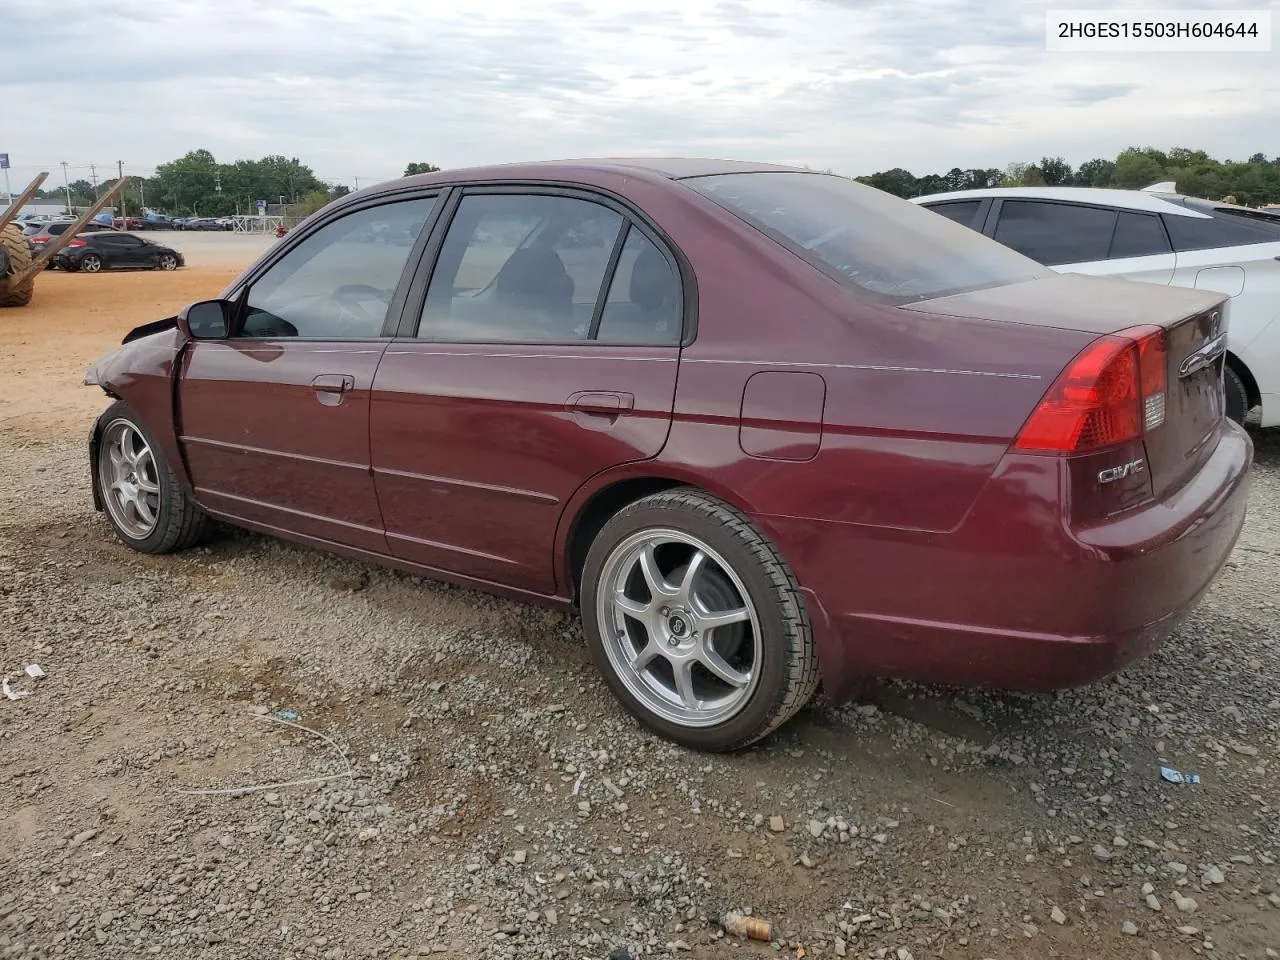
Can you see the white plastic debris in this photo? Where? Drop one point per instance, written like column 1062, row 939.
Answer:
column 13, row 694
column 34, row 671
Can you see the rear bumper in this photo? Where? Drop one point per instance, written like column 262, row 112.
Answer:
column 1013, row 598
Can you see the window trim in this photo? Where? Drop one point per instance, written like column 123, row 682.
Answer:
column 997, row 211
column 239, row 293
column 632, row 217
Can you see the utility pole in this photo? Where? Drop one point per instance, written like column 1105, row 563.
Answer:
column 357, row 180
column 142, row 194
column 93, row 173
column 124, row 216
column 67, row 180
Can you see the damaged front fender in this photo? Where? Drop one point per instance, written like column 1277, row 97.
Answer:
column 143, row 372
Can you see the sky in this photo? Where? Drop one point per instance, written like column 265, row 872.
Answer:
column 359, row 88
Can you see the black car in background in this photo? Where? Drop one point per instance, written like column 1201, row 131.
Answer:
column 102, row 251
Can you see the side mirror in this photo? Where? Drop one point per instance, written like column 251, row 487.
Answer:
column 207, row 320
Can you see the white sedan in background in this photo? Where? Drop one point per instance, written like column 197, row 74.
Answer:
column 1158, row 236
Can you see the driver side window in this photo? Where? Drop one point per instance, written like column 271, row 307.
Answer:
column 337, row 284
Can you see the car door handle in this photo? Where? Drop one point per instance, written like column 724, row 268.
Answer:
column 330, row 387
column 601, row 402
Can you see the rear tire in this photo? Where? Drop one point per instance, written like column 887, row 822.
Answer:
column 652, row 631
column 19, row 257
column 91, row 263
column 142, row 498
column 1236, row 396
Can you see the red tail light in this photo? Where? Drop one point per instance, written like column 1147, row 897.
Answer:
column 1112, row 392
column 39, row 239
column 77, row 243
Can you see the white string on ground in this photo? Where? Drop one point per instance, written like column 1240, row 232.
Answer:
column 261, row 787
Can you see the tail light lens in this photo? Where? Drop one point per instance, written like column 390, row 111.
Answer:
column 1113, row 392
column 39, row 239
column 77, row 243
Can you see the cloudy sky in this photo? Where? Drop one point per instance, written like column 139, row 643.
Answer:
column 358, row 88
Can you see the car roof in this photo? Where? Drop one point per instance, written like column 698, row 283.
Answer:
column 1167, row 203
column 669, row 168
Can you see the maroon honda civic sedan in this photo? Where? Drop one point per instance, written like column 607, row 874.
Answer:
column 763, row 427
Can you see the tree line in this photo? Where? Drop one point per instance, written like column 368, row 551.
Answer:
column 1254, row 182
column 198, row 185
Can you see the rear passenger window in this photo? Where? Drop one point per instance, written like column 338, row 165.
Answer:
column 520, row 268
column 1056, row 233
column 1138, row 235
column 645, row 303
column 963, row 212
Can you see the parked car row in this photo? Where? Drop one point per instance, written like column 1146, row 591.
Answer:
column 1156, row 236
column 99, row 246
column 763, row 427
column 204, row 223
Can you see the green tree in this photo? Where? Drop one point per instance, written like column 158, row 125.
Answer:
column 897, row 181
column 415, row 168
column 1095, row 173
column 1136, row 169
column 1056, row 171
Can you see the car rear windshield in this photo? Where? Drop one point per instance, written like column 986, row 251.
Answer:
column 866, row 238
column 1230, row 227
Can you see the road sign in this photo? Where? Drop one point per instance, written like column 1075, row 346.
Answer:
column 262, row 207
column 4, row 161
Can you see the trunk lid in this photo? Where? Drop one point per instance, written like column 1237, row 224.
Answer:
column 1195, row 328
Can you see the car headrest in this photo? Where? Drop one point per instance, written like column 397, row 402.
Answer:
column 536, row 277
column 653, row 283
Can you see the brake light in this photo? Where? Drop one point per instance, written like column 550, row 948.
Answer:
column 77, row 243
column 1112, row 392
column 39, row 239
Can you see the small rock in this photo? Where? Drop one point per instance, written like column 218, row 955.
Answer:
column 1188, row 931
column 1184, row 904
column 1152, row 902
column 776, row 824
column 1129, row 928
column 816, row 828
column 1148, row 889
column 366, row 834
column 519, row 857
column 1244, row 749
column 551, row 916
column 1213, row 876
column 1101, row 852
column 1057, row 916
column 841, row 948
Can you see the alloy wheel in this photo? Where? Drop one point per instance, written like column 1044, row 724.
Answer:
column 129, row 480
column 679, row 628
column 90, row 264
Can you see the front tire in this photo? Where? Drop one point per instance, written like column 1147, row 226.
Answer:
column 1237, row 398
column 141, row 496
column 167, row 261
column 696, row 622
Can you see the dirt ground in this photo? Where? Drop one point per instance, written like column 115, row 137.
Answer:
column 73, row 319
column 501, row 804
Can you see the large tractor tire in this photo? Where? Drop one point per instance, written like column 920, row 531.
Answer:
column 19, row 257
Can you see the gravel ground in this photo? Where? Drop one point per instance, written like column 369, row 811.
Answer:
column 499, row 803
